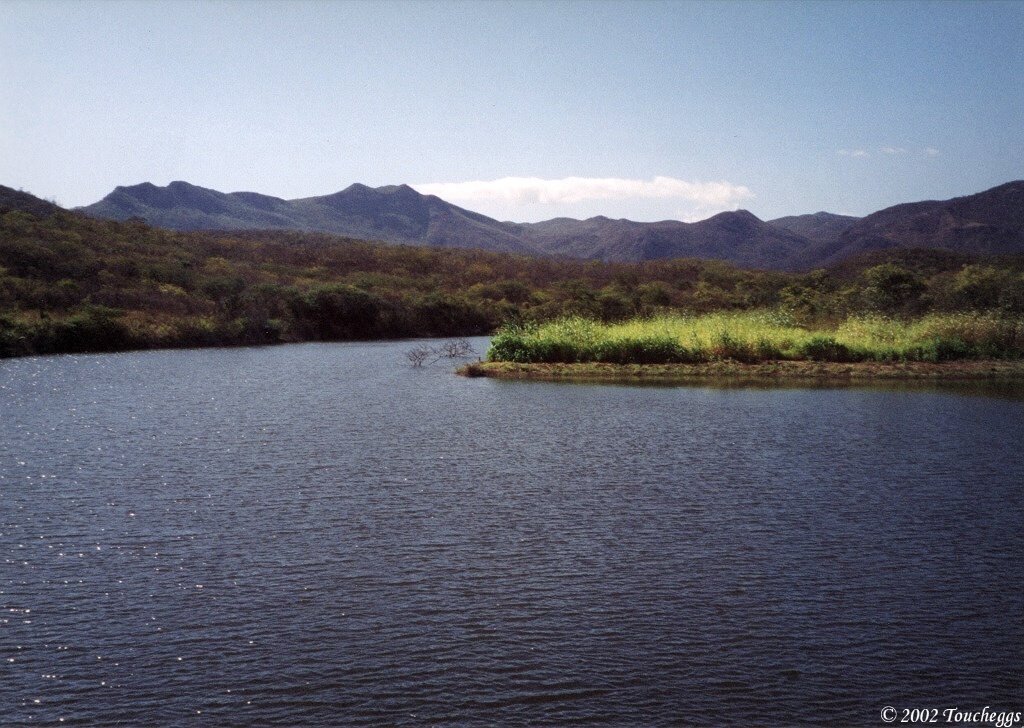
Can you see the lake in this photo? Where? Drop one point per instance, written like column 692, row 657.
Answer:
column 320, row 534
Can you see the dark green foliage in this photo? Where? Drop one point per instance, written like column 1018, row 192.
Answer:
column 654, row 350
column 947, row 349
column 890, row 288
column 826, row 348
column 29, row 259
column 615, row 304
column 982, row 287
column 336, row 311
column 728, row 347
column 515, row 344
column 72, row 283
column 654, row 295
column 94, row 328
column 451, row 315
column 14, row 338
column 509, row 345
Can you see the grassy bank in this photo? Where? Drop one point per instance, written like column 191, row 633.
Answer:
column 758, row 337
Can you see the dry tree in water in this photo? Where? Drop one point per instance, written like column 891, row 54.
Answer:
column 453, row 349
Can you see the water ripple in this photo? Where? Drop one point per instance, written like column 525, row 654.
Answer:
column 320, row 535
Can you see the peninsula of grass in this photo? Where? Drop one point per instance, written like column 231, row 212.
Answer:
column 760, row 344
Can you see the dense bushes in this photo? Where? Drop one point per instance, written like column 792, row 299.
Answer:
column 71, row 283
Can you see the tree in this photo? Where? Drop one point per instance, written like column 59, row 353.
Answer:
column 890, row 288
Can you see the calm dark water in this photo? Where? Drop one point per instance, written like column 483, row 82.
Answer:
column 321, row 535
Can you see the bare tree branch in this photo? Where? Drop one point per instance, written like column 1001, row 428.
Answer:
column 453, row 349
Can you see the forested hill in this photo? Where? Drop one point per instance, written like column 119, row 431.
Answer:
column 71, row 283
column 989, row 222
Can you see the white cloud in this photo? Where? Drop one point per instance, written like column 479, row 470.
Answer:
column 853, row 153
column 893, row 150
column 931, row 152
column 569, row 190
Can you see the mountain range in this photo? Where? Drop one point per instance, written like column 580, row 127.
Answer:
column 990, row 222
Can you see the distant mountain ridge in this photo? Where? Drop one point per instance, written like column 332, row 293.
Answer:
column 819, row 227
column 399, row 214
column 739, row 237
column 987, row 222
column 393, row 214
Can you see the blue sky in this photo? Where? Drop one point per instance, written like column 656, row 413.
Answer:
column 520, row 110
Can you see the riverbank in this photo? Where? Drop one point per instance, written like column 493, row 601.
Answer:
column 965, row 370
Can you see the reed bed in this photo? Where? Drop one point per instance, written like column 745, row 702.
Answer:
column 760, row 336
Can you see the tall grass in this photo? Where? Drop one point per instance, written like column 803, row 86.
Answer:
column 762, row 336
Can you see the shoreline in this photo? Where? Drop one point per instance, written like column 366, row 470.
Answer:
column 763, row 372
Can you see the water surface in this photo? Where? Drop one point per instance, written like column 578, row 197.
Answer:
column 321, row 535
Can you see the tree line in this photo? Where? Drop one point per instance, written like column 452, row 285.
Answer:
column 69, row 283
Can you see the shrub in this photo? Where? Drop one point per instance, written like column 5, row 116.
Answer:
column 826, row 348
column 947, row 349
column 650, row 350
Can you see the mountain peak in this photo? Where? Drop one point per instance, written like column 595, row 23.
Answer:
column 818, row 227
column 735, row 217
column 399, row 190
column 745, row 215
column 356, row 188
column 141, row 188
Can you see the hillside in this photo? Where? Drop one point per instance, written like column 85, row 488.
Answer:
column 11, row 199
column 399, row 214
column 70, row 282
column 394, row 214
column 819, row 227
column 987, row 223
column 737, row 237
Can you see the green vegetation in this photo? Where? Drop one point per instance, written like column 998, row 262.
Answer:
column 753, row 337
column 69, row 283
